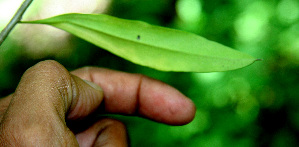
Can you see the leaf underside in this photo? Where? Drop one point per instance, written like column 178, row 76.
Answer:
column 148, row 45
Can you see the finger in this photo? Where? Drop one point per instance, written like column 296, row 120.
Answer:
column 4, row 102
column 37, row 110
column 136, row 94
column 106, row 132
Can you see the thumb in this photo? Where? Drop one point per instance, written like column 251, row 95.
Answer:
column 46, row 94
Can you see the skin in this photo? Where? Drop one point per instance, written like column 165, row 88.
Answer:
column 49, row 100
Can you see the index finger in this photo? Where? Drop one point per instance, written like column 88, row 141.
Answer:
column 126, row 93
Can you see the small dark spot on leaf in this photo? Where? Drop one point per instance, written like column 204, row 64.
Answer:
column 138, row 37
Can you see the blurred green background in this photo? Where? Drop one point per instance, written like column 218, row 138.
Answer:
column 253, row 106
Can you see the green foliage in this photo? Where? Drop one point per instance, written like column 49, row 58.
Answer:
column 157, row 47
column 252, row 106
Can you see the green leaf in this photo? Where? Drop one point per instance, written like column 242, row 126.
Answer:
column 153, row 46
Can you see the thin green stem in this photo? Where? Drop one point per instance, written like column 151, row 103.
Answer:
column 16, row 18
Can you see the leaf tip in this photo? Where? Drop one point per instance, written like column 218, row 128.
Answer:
column 259, row 59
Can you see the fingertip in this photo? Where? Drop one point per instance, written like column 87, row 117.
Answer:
column 87, row 96
column 189, row 111
column 165, row 104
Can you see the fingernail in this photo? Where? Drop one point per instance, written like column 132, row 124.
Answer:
column 95, row 86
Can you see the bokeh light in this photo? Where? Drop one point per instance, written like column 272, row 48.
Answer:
column 190, row 15
column 251, row 26
column 288, row 11
column 253, row 106
column 8, row 8
column 189, row 10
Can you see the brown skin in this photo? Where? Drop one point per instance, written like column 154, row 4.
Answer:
column 48, row 96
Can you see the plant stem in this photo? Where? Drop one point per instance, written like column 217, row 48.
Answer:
column 16, row 18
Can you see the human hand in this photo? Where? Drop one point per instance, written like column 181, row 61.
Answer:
column 48, row 96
